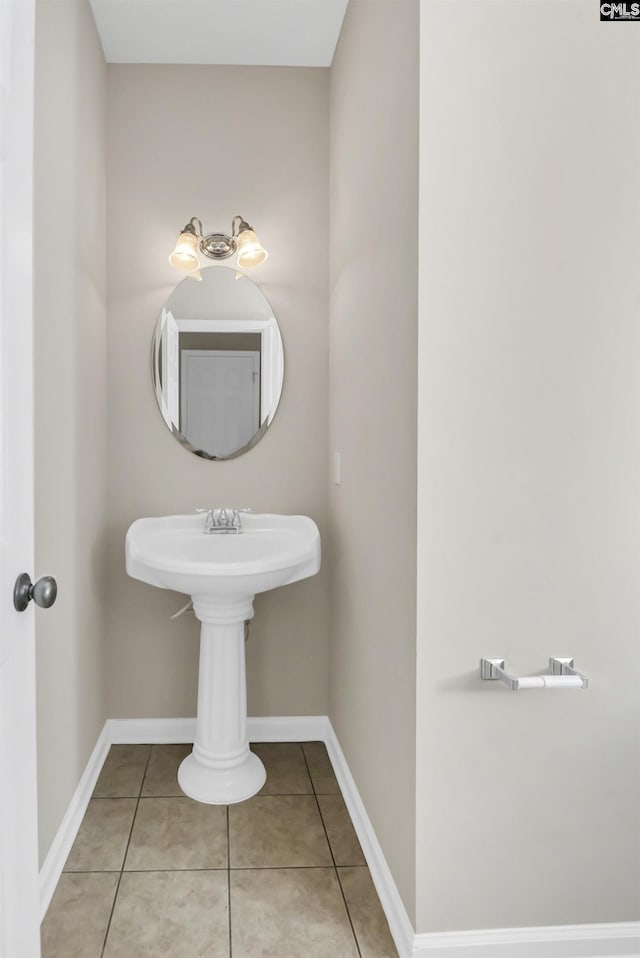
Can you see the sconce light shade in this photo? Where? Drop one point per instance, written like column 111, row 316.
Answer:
column 216, row 246
column 250, row 252
column 185, row 255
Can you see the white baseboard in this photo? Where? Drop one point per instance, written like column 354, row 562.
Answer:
column 399, row 924
column 620, row 940
column 160, row 731
column 65, row 836
column 296, row 728
column 280, row 728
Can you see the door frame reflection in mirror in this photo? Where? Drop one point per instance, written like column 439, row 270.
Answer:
column 176, row 319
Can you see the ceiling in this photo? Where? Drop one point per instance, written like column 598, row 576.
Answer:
column 301, row 33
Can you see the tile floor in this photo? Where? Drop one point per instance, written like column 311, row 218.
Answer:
column 153, row 873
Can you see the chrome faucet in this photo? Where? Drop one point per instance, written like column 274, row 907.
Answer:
column 222, row 521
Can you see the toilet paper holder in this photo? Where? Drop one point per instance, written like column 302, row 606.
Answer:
column 562, row 675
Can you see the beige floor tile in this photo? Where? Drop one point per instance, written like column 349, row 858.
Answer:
column 286, row 769
column 369, row 922
column 177, row 833
column 77, row 919
column 320, row 768
column 342, row 837
column 101, row 843
column 162, row 772
column 122, row 773
column 289, row 913
column 277, row 831
column 170, row 915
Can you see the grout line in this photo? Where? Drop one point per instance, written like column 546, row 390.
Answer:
column 229, row 880
column 237, row 868
column 126, row 852
column 222, row 868
column 289, row 868
column 108, row 798
column 335, row 868
column 259, row 795
column 306, row 765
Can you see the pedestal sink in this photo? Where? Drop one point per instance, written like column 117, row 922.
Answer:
column 222, row 574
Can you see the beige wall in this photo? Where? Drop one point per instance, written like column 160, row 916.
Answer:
column 213, row 142
column 70, row 400
column 529, row 464
column 373, row 381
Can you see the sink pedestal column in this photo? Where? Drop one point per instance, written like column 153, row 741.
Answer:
column 222, row 769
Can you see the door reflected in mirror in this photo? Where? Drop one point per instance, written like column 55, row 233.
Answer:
column 217, row 363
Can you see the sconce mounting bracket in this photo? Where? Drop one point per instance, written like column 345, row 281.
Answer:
column 218, row 245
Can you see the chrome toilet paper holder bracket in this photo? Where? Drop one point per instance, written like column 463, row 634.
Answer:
column 562, row 674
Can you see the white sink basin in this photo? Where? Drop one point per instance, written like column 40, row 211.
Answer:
column 222, row 573
column 173, row 552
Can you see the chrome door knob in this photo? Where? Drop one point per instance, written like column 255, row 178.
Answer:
column 43, row 592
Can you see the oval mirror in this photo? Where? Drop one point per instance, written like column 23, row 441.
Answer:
column 217, row 363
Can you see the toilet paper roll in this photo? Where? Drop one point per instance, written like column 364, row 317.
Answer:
column 531, row 682
column 550, row 682
column 562, row 681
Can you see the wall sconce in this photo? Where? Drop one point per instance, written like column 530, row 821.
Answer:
column 216, row 246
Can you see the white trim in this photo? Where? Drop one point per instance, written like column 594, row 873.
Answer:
column 615, row 940
column 280, row 728
column 159, row 731
column 399, row 923
column 556, row 941
column 288, row 728
column 65, row 836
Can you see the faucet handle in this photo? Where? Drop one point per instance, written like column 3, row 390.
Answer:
column 200, row 509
